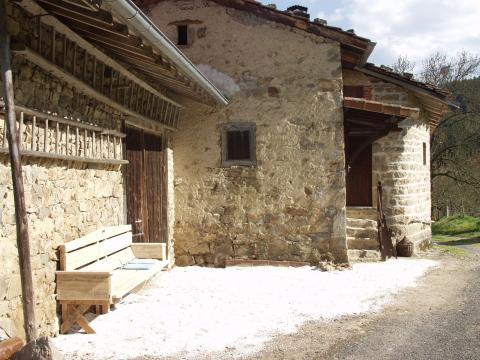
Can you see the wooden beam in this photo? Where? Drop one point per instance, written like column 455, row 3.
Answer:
column 32, row 7
column 21, row 220
column 62, row 74
column 380, row 107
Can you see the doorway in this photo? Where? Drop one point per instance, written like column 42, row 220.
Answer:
column 145, row 186
column 359, row 173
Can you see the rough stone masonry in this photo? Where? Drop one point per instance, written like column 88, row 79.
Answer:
column 64, row 200
column 291, row 205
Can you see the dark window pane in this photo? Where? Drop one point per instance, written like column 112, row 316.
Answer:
column 238, row 145
column 182, row 35
column 424, row 153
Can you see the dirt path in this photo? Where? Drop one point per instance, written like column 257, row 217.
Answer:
column 439, row 319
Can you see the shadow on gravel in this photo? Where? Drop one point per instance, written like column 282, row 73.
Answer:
column 471, row 241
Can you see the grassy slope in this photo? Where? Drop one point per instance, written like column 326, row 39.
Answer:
column 450, row 232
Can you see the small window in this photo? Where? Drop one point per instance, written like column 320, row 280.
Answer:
column 425, row 154
column 238, row 144
column 182, row 31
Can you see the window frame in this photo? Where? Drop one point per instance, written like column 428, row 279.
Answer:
column 238, row 126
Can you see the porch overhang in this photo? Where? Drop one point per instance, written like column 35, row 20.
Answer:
column 122, row 31
column 367, row 121
column 381, row 108
column 373, row 119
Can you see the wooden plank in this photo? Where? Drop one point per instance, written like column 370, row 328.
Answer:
column 41, row 154
column 93, row 252
column 80, row 319
column 150, row 250
column 134, row 182
column 125, row 281
column 153, row 185
column 77, row 285
column 112, row 262
column 96, row 236
column 166, row 175
column 9, row 347
column 73, row 313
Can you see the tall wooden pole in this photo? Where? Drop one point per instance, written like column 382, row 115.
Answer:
column 23, row 243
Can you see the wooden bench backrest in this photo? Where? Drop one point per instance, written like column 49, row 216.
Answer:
column 105, row 248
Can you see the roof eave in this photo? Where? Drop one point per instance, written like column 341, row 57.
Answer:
column 141, row 23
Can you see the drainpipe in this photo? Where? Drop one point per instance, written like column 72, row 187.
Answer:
column 134, row 16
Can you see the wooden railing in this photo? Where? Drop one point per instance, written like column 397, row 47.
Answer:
column 387, row 249
column 48, row 136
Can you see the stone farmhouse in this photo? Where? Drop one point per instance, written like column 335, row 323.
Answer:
column 289, row 169
column 227, row 129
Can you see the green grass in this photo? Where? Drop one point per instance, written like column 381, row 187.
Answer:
column 452, row 232
column 456, row 225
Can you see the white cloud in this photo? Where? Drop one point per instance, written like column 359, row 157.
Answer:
column 415, row 28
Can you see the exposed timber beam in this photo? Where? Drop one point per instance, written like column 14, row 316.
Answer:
column 39, row 60
column 381, row 108
column 32, row 7
column 21, row 220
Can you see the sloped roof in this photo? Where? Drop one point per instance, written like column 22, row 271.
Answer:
column 433, row 99
column 131, row 38
column 434, row 90
column 355, row 49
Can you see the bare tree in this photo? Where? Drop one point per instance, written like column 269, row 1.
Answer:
column 403, row 65
column 455, row 142
column 440, row 70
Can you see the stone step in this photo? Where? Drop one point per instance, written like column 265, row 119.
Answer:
column 362, row 244
column 371, row 233
column 362, row 213
column 358, row 256
column 352, row 222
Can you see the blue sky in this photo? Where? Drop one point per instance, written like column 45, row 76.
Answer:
column 415, row 28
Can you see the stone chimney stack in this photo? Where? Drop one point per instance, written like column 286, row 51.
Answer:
column 299, row 10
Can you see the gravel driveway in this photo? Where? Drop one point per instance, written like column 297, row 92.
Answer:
column 439, row 319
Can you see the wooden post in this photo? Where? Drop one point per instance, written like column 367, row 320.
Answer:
column 23, row 244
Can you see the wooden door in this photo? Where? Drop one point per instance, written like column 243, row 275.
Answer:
column 144, row 185
column 359, row 176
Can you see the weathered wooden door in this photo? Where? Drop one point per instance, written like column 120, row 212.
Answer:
column 144, row 185
column 359, row 176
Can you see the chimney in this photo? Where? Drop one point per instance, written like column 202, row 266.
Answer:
column 320, row 21
column 299, row 10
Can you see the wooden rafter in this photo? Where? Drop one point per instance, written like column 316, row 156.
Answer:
column 85, row 88
column 379, row 107
column 100, row 28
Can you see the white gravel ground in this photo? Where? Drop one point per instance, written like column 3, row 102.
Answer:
column 197, row 310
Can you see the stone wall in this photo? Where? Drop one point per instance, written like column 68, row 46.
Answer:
column 291, row 205
column 398, row 163
column 64, row 200
column 63, row 203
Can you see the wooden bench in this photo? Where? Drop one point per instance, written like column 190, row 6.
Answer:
column 100, row 268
